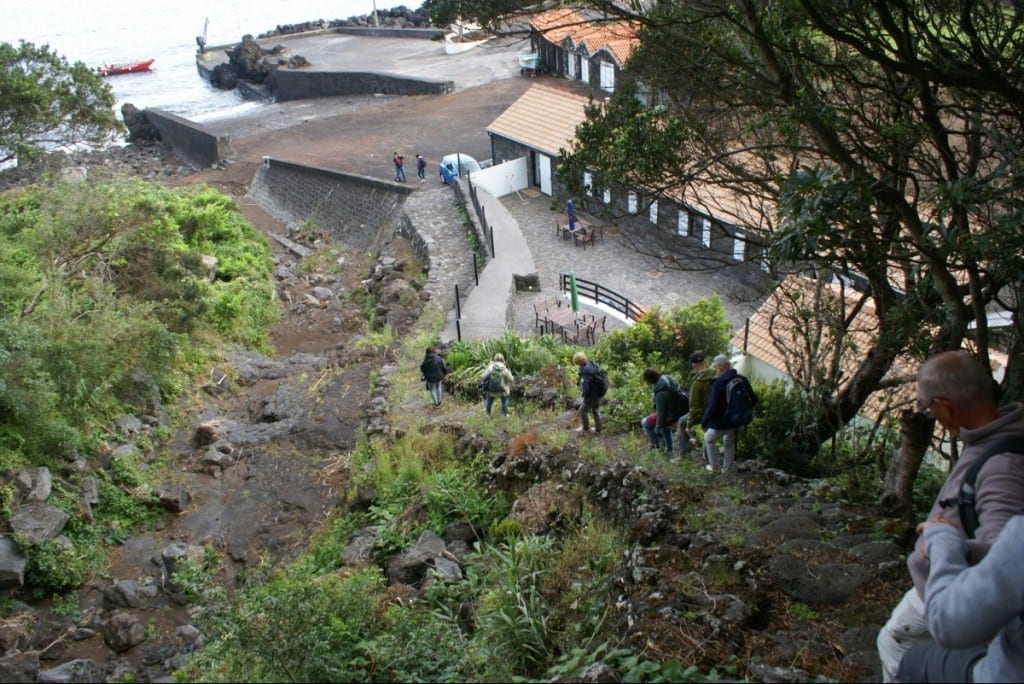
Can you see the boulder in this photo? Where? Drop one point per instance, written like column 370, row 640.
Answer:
column 38, row 521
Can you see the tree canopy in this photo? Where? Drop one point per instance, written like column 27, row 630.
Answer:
column 878, row 141
column 46, row 103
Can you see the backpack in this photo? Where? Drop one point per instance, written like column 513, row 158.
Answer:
column 600, row 381
column 739, row 402
column 966, row 501
column 679, row 400
column 491, row 383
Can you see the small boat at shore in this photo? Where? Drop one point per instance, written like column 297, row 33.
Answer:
column 125, row 68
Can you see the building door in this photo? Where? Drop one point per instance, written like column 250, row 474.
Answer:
column 542, row 172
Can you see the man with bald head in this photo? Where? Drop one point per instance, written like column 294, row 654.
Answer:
column 959, row 392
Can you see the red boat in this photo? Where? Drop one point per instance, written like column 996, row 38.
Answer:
column 126, row 68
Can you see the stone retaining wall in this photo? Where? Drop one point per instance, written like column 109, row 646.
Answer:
column 361, row 213
column 392, row 32
column 196, row 144
column 301, row 84
column 357, row 211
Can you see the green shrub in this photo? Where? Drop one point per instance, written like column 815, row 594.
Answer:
column 453, row 494
column 665, row 339
column 512, row 636
column 292, row 627
column 54, row 566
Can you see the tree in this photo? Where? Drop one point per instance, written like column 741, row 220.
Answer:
column 47, row 103
column 878, row 139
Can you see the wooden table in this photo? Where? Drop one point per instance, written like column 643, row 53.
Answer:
column 560, row 318
column 562, row 228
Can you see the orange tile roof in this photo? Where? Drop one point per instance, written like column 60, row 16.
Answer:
column 543, row 118
column 779, row 332
column 556, row 25
column 779, row 325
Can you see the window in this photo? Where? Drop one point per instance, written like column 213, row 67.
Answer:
column 739, row 246
column 588, row 183
column 570, row 64
column 631, row 202
column 702, row 226
column 607, row 77
column 584, row 69
column 652, row 213
column 607, row 196
column 683, row 223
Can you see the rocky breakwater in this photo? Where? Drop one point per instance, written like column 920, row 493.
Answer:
column 147, row 159
column 253, row 66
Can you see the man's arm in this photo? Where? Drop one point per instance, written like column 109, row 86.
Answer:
column 1000, row 488
column 966, row 606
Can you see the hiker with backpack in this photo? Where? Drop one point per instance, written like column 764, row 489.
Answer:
column 496, row 382
column 958, row 392
column 433, row 370
column 670, row 403
column 593, row 386
column 730, row 406
column 700, row 389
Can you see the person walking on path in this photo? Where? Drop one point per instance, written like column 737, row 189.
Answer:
column 433, row 370
column 969, row 607
column 714, row 421
column 958, row 391
column 658, row 425
column 700, row 388
column 421, row 167
column 399, row 162
column 500, row 386
column 589, row 392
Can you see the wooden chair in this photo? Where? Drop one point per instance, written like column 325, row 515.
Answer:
column 583, row 237
column 571, row 335
column 540, row 312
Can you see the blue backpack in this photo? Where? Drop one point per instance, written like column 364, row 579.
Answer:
column 739, row 402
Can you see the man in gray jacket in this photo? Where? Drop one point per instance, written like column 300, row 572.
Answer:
column 969, row 607
column 958, row 392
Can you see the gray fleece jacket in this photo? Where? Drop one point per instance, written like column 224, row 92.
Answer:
column 1000, row 488
column 968, row 606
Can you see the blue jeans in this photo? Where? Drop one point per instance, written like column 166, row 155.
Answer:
column 435, row 391
column 657, row 436
column 399, row 173
column 489, row 402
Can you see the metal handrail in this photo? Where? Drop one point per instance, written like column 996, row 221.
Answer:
column 595, row 292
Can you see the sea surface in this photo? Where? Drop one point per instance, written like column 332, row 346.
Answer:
column 113, row 31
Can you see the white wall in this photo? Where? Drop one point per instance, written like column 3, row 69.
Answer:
column 503, row 179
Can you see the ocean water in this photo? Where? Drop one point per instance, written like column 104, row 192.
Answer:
column 113, row 31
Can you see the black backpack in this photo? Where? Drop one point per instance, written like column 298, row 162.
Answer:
column 967, row 499
column 600, row 381
column 739, row 402
column 680, row 401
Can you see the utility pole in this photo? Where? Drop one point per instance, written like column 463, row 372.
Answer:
column 376, row 21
